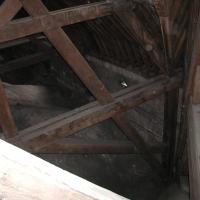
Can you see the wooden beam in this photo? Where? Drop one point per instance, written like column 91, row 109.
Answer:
column 6, row 119
column 8, row 10
column 27, row 177
column 163, row 10
column 45, row 133
column 80, row 66
column 169, row 130
column 74, row 146
column 70, row 53
column 28, row 26
column 191, row 115
column 194, row 150
column 192, row 63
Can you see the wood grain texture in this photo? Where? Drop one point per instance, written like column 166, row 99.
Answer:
column 77, row 146
column 26, row 177
column 47, row 132
column 13, row 30
column 8, row 10
column 6, row 119
column 194, row 150
column 80, row 66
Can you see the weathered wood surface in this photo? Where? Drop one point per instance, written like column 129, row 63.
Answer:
column 75, row 146
column 51, row 27
column 8, row 10
column 6, row 119
column 26, row 177
column 66, row 124
column 191, row 65
column 170, row 129
column 37, row 24
column 194, row 150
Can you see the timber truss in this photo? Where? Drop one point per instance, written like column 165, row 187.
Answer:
column 48, row 136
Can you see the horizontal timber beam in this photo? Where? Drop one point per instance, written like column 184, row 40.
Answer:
column 43, row 134
column 74, row 146
column 32, row 25
column 194, row 149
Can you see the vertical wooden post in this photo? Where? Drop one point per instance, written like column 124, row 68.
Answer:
column 169, row 129
column 192, row 63
column 72, row 56
column 196, row 89
column 6, row 119
column 8, row 10
column 171, row 98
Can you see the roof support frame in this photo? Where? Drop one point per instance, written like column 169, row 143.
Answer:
column 52, row 29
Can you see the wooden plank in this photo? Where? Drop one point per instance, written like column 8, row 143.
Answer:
column 191, row 115
column 8, row 10
column 119, row 94
column 46, row 133
column 169, row 130
column 37, row 24
column 194, row 150
column 192, row 62
column 80, row 66
column 6, row 119
column 70, row 53
column 74, row 146
column 162, row 7
column 26, row 177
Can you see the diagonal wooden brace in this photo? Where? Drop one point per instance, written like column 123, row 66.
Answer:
column 80, row 66
column 6, row 120
column 7, row 11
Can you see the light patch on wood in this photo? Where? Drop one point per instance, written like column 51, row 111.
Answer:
column 26, row 177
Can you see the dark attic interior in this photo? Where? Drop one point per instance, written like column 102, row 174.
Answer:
column 105, row 90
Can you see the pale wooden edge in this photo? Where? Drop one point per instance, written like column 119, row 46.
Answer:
column 194, row 150
column 51, row 172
